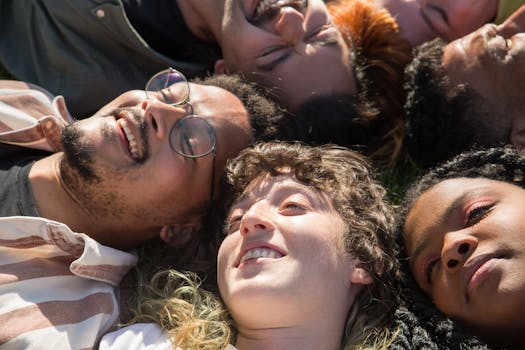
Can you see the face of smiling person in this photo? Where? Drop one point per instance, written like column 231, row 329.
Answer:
column 130, row 173
column 282, row 261
column 424, row 20
column 490, row 60
column 452, row 19
column 466, row 243
column 290, row 47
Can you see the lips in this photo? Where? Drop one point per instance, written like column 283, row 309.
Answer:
column 255, row 251
column 264, row 8
column 477, row 270
column 131, row 134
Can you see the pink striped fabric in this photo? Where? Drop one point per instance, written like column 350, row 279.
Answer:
column 31, row 116
column 58, row 289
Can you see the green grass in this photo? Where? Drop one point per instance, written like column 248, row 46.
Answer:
column 397, row 179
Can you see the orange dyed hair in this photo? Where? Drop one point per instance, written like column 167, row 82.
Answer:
column 381, row 56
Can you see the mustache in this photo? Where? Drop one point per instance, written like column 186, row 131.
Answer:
column 271, row 10
column 137, row 114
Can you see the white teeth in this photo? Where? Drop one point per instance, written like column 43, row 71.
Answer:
column 131, row 139
column 265, row 5
column 261, row 253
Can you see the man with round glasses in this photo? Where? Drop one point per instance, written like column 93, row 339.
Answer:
column 75, row 194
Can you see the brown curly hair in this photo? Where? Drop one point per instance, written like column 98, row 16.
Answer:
column 346, row 178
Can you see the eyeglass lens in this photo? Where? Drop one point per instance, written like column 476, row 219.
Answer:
column 169, row 86
column 192, row 137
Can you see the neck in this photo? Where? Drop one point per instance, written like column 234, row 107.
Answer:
column 319, row 333
column 55, row 201
column 203, row 17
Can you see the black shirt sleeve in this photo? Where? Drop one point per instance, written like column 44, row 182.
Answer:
column 162, row 26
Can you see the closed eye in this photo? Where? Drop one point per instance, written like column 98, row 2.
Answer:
column 276, row 56
column 321, row 33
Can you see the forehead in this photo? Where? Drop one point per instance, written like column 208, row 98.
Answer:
column 304, row 76
column 468, row 61
column 469, row 56
column 456, row 52
column 435, row 205
column 228, row 117
column 208, row 100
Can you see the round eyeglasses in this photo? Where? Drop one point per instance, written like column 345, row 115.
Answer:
column 194, row 137
column 169, row 86
column 191, row 136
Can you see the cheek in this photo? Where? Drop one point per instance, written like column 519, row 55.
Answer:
column 445, row 296
column 226, row 253
column 326, row 248
column 468, row 16
column 225, row 258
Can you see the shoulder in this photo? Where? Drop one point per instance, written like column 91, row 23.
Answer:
column 139, row 336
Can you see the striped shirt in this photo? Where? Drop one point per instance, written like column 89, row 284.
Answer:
column 31, row 117
column 58, row 288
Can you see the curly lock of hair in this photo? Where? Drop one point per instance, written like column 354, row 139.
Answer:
column 265, row 114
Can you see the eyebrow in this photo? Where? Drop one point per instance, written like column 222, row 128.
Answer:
column 330, row 41
column 271, row 66
column 292, row 188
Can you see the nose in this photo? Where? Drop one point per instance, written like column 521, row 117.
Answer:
column 289, row 25
column 161, row 116
column 457, row 248
column 256, row 219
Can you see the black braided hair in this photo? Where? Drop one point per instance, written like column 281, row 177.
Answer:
column 445, row 120
column 421, row 325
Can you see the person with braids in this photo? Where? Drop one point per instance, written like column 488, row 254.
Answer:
column 463, row 228
column 466, row 93
column 307, row 261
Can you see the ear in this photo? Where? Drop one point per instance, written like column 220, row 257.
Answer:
column 360, row 276
column 220, row 67
column 517, row 134
column 178, row 235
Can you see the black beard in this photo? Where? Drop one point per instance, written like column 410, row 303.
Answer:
column 76, row 154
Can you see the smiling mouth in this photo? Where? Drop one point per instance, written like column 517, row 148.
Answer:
column 134, row 131
column 262, row 252
column 130, row 138
column 267, row 9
